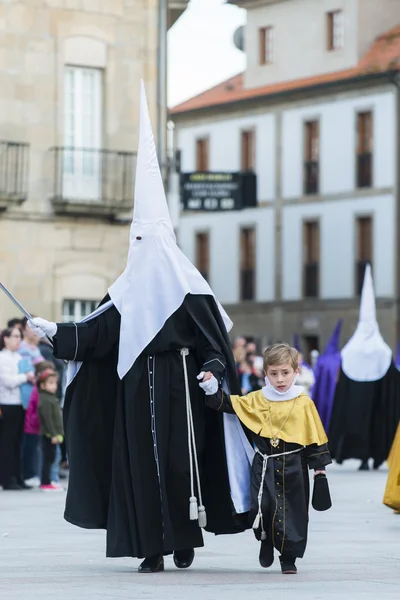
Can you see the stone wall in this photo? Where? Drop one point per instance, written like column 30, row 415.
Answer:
column 46, row 258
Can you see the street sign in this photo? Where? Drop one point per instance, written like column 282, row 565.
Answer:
column 209, row 191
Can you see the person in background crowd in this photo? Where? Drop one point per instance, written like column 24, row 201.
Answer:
column 12, row 412
column 60, row 367
column 32, row 452
column 15, row 323
column 305, row 376
column 51, row 426
column 248, row 379
column 239, row 349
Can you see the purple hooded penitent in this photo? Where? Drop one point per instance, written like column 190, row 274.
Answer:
column 326, row 373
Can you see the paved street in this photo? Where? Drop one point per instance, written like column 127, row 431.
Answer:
column 353, row 553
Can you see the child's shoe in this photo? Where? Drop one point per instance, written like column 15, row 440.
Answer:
column 266, row 554
column 50, row 488
column 288, row 565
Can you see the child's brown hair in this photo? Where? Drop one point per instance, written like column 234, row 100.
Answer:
column 281, row 354
column 44, row 376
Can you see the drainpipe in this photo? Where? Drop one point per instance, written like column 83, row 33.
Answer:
column 162, row 81
column 395, row 80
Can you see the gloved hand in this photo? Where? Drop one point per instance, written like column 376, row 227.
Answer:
column 210, row 386
column 42, row 328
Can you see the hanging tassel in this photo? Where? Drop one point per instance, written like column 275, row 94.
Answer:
column 193, row 509
column 256, row 523
column 263, row 536
column 202, row 517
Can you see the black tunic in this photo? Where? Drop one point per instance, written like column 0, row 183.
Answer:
column 127, row 440
column 286, row 490
column 365, row 417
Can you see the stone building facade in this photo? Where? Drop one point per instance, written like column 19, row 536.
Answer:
column 322, row 141
column 69, row 109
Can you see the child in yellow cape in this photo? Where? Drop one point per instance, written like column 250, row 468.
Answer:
column 289, row 438
column 392, row 491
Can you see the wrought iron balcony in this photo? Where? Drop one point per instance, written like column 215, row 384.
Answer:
column 311, row 280
column 364, row 170
column 14, row 167
column 247, row 284
column 92, row 182
column 311, row 178
column 359, row 275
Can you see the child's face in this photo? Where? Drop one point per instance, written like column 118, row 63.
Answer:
column 281, row 376
column 50, row 385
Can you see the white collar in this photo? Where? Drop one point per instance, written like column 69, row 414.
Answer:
column 270, row 393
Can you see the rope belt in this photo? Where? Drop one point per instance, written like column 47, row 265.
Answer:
column 259, row 517
column 196, row 510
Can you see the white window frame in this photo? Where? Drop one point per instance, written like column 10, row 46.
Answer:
column 83, row 123
column 337, row 32
column 76, row 310
column 269, row 49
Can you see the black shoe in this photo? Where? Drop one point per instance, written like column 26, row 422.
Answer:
column 152, row 564
column 266, row 554
column 12, row 487
column 183, row 558
column 364, row 466
column 288, row 565
column 22, row 485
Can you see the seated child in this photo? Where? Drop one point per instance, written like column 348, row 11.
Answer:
column 288, row 437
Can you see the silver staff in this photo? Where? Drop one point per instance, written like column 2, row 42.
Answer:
column 19, row 305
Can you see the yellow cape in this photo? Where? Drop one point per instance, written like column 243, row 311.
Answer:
column 303, row 426
column 392, row 492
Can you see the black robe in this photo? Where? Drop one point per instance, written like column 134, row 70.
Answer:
column 364, row 417
column 286, row 491
column 127, row 440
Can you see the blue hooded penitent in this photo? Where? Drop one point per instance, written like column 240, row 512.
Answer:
column 326, row 373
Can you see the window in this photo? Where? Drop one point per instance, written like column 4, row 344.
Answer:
column 203, row 254
column 248, row 151
column 83, row 124
column 202, row 154
column 247, row 263
column 311, row 259
column 364, row 149
column 76, row 310
column 311, row 163
column 335, row 30
column 267, row 38
column 364, row 250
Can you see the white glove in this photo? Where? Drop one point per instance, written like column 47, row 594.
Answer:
column 42, row 328
column 210, row 387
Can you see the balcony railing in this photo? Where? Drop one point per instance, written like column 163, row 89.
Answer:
column 247, row 284
column 14, row 167
column 311, row 178
column 364, row 170
column 311, row 280
column 91, row 181
column 359, row 274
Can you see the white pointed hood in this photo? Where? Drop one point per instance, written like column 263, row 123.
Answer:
column 366, row 356
column 158, row 275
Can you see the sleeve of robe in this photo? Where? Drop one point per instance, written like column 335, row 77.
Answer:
column 220, row 402
column 317, row 456
column 91, row 340
column 212, row 360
